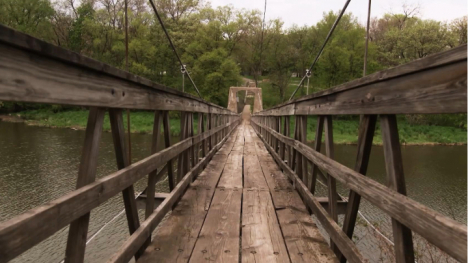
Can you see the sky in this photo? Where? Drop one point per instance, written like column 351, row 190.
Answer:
column 309, row 12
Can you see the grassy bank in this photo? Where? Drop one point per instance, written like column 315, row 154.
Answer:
column 140, row 122
column 344, row 130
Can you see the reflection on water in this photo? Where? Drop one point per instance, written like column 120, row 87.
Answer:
column 41, row 164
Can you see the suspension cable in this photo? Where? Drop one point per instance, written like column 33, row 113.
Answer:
column 323, row 46
column 172, row 45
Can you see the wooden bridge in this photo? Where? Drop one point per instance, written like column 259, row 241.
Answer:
column 239, row 192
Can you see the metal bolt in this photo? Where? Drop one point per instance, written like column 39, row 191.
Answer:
column 157, row 249
column 276, row 253
column 204, row 251
column 300, row 254
column 227, row 251
column 180, row 250
column 253, row 252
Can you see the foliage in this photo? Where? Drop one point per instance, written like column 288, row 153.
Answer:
column 220, row 44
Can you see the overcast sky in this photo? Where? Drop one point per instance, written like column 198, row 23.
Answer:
column 309, row 12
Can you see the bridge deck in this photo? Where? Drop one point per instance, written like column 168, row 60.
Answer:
column 241, row 208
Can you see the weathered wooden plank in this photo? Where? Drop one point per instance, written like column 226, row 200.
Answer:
column 262, row 240
column 304, row 241
column 232, row 174
column 219, row 238
column 175, row 239
column 331, row 181
column 443, row 232
column 346, row 246
column 317, row 145
column 50, row 74
column 365, row 138
column 402, row 235
column 253, row 176
column 26, row 230
column 303, row 138
column 77, row 234
column 128, row 194
column 181, row 160
column 426, row 85
column 167, row 143
column 152, row 177
column 135, row 241
column 302, row 237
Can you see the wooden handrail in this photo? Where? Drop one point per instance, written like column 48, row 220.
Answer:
column 447, row 234
column 35, row 71
column 26, row 230
column 434, row 84
column 137, row 239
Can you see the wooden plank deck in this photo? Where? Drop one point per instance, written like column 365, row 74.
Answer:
column 241, row 208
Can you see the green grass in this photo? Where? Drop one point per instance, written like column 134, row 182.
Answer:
column 345, row 130
column 140, row 121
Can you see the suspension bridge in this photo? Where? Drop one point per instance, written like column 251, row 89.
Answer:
column 242, row 188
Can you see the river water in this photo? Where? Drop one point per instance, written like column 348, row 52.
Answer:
column 40, row 164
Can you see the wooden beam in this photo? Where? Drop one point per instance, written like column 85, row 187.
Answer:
column 318, row 144
column 150, row 190
column 131, row 245
column 35, row 71
column 445, row 233
column 364, row 146
column 434, row 84
column 331, row 181
column 167, row 143
column 128, row 194
column 78, row 232
column 26, row 230
column 402, row 235
column 345, row 245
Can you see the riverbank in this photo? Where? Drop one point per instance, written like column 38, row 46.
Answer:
column 344, row 131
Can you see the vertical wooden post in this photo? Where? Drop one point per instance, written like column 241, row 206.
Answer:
column 77, row 234
column 150, row 190
column 202, row 130
column 287, row 120
column 283, row 145
column 297, row 125
column 192, row 148
column 304, row 175
column 402, row 235
column 332, row 195
column 118, row 135
column 278, row 129
column 317, row 146
column 167, row 144
column 181, row 159
column 365, row 138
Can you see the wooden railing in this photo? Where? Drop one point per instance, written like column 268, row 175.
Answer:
column 37, row 72
column 436, row 84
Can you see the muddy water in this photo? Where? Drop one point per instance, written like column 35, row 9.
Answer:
column 40, row 164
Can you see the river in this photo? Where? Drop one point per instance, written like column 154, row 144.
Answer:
column 40, row 164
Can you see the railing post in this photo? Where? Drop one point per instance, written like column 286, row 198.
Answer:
column 150, row 190
column 167, row 144
column 77, row 234
column 402, row 236
column 183, row 135
column 118, row 135
column 364, row 146
column 304, row 175
column 317, row 146
column 331, row 182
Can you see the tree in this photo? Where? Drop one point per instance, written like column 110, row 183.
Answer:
column 29, row 16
